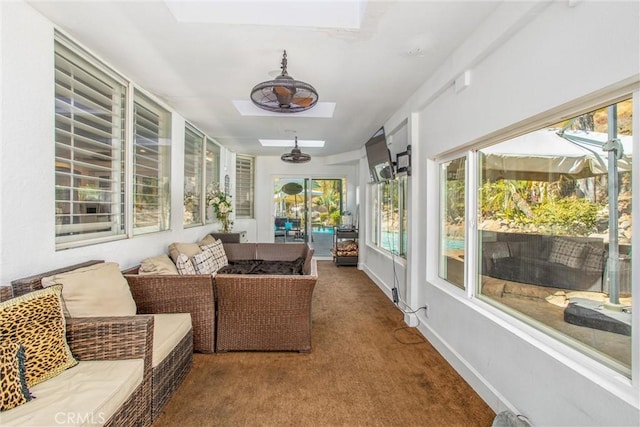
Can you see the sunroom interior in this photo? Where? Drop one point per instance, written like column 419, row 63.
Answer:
column 508, row 241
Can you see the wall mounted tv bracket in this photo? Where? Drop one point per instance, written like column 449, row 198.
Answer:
column 403, row 161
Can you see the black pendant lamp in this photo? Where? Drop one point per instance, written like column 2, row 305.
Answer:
column 295, row 156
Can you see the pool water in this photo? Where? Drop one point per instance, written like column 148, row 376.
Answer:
column 454, row 244
column 324, row 230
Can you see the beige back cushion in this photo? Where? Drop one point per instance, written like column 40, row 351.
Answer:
column 189, row 249
column 207, row 240
column 160, row 264
column 94, row 291
column 280, row 251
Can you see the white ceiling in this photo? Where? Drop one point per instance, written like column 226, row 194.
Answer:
column 200, row 68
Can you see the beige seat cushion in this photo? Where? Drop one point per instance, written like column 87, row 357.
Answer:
column 94, row 291
column 168, row 331
column 87, row 394
column 160, row 264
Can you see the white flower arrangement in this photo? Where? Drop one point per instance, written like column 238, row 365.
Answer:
column 222, row 207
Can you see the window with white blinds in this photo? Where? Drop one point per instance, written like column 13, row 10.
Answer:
column 212, row 174
column 244, row 186
column 89, row 150
column 193, row 174
column 151, row 166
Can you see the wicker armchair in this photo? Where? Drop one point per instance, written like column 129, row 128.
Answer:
column 192, row 294
column 165, row 377
column 117, row 338
column 264, row 312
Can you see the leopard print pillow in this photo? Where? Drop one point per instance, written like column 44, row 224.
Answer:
column 13, row 385
column 36, row 321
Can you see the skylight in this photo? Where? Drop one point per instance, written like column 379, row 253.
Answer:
column 321, row 109
column 316, row 14
column 291, row 143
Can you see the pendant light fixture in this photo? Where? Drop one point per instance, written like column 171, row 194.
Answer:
column 295, row 156
column 284, row 94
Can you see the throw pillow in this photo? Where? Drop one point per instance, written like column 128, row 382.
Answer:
column 184, row 265
column 219, row 256
column 203, row 262
column 95, row 291
column 13, row 384
column 189, row 249
column 37, row 322
column 594, row 259
column 160, row 264
column 567, row 252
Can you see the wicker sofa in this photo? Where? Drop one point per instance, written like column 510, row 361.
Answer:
column 115, row 350
column 168, row 293
column 575, row 263
column 265, row 312
column 169, row 356
column 259, row 311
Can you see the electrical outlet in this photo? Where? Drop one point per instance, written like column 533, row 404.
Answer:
column 411, row 319
column 394, row 293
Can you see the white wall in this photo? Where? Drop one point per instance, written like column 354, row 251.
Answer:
column 27, row 224
column 527, row 60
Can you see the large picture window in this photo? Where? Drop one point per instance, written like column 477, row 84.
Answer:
column 89, row 149
column 151, row 166
column 554, row 230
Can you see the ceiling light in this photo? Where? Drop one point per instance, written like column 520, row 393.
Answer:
column 291, row 143
column 323, row 110
column 284, row 94
column 295, row 156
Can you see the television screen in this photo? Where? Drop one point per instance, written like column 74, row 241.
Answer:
column 379, row 157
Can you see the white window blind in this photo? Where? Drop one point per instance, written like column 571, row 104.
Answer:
column 244, row 186
column 193, row 165
column 89, row 150
column 151, row 166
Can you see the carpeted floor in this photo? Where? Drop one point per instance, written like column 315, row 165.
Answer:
column 362, row 371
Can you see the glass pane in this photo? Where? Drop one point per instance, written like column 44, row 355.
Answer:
column 244, row 187
column 403, row 214
column 374, row 228
column 212, row 171
column 452, row 221
column 555, row 231
column 390, row 219
column 289, row 201
column 151, row 166
column 193, row 142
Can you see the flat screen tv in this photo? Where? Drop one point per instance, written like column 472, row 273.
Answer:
column 379, row 157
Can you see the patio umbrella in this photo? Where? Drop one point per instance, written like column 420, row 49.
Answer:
column 546, row 155
column 292, row 189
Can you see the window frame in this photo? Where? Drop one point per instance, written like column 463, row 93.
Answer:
column 80, row 58
column 545, row 337
column 138, row 96
column 376, row 204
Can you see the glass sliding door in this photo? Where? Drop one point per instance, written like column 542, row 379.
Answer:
column 326, row 209
column 289, row 209
column 307, row 210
